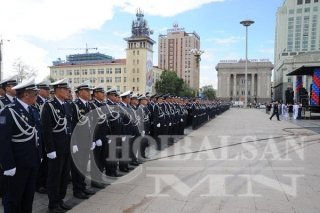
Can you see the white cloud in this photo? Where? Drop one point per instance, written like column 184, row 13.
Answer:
column 163, row 8
column 227, row 41
column 28, row 22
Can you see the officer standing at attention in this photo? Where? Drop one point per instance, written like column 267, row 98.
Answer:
column 44, row 93
column 6, row 98
column 20, row 148
column 82, row 141
column 56, row 122
column 101, row 132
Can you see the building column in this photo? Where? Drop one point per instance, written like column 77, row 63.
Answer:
column 258, row 85
column 252, row 85
column 228, row 86
column 234, row 85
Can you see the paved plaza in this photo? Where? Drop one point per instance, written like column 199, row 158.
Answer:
column 238, row 162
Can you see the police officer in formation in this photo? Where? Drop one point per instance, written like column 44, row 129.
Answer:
column 20, row 147
column 42, row 98
column 94, row 128
column 7, row 97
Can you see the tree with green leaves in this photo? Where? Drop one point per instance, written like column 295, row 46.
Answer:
column 208, row 92
column 170, row 83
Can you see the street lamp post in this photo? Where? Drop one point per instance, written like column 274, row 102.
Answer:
column 246, row 23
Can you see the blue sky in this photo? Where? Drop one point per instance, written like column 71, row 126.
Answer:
column 38, row 39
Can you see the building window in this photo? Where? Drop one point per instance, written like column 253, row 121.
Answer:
column 70, row 80
column 92, row 71
column 61, row 72
column 137, row 61
column 117, row 79
column 101, row 71
column 124, row 79
column 137, row 81
column 69, row 72
column 137, row 52
column 124, row 88
column 291, row 11
column 134, row 52
column 308, row 1
column 307, row 9
column 100, row 79
column 299, row 10
column 133, row 89
column 109, row 79
column 315, row 1
column 133, row 70
column 137, row 89
column 137, row 70
column 85, row 72
column 109, row 71
column 118, row 88
column 117, row 70
column 125, row 70
column 133, row 79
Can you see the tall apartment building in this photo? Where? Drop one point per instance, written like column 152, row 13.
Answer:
column 135, row 73
column 297, row 36
column 176, row 53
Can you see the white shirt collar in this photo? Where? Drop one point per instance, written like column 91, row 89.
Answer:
column 110, row 100
column 83, row 101
column 98, row 100
column 61, row 102
column 10, row 97
column 42, row 98
column 23, row 104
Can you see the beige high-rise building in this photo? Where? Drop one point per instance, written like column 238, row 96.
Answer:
column 135, row 73
column 179, row 51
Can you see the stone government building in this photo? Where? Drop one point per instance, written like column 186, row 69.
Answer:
column 231, row 80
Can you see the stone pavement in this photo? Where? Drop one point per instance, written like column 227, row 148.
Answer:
column 275, row 169
column 239, row 162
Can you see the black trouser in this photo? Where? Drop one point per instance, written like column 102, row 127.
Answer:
column 110, row 164
column 98, row 162
column 42, row 174
column 1, row 183
column 275, row 113
column 58, row 179
column 78, row 168
column 19, row 190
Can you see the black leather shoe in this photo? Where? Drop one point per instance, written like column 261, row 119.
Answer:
column 124, row 170
column 42, row 190
column 81, row 195
column 65, row 206
column 98, row 185
column 88, row 192
column 134, row 163
column 57, row 210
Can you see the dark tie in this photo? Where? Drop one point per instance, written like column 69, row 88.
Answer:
column 31, row 112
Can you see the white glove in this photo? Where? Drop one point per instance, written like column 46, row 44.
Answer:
column 123, row 139
column 158, row 125
column 10, row 172
column 181, row 120
column 99, row 143
column 143, row 133
column 93, row 146
column 170, row 124
column 109, row 141
column 75, row 149
column 52, row 155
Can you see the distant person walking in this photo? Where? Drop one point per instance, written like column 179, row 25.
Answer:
column 275, row 111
